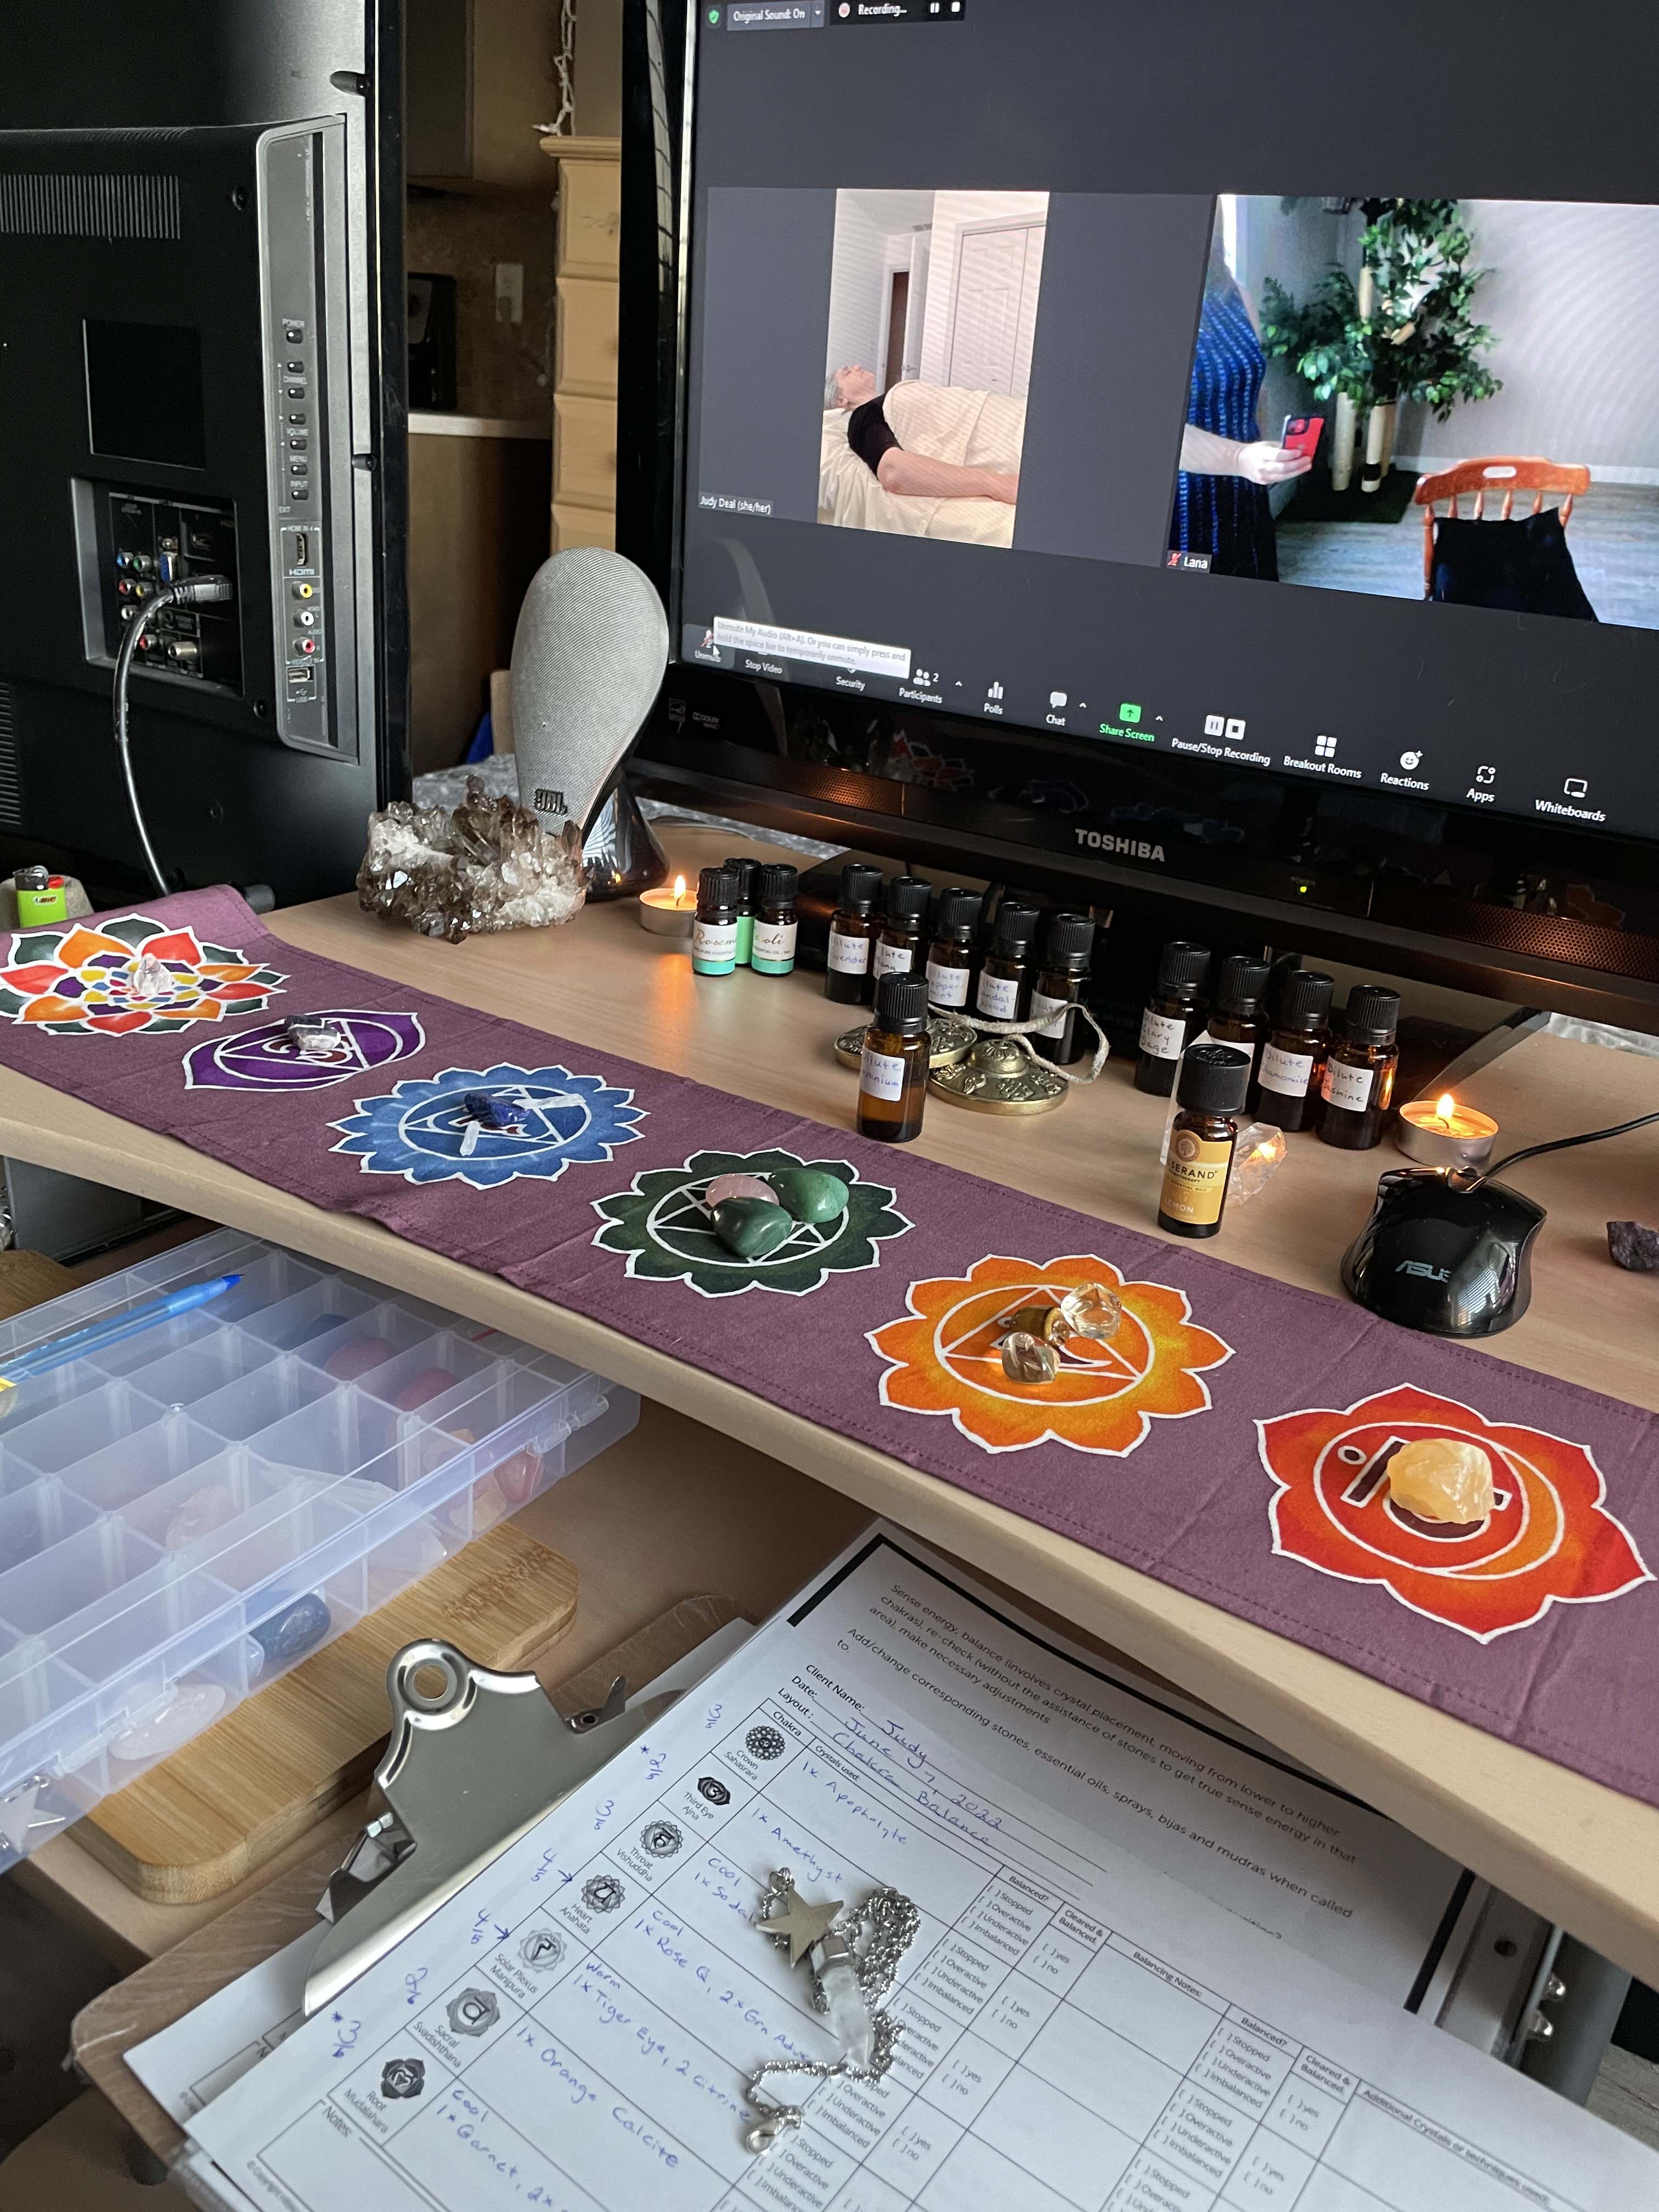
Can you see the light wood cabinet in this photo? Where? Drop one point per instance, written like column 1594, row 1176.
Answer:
column 585, row 380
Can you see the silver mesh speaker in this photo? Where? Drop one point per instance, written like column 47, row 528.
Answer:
column 588, row 657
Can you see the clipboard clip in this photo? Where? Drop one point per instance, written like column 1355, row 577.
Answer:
column 475, row 1759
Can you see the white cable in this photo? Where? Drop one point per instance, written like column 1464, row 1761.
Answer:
column 200, row 591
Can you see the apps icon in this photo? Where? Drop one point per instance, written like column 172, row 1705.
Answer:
column 1575, row 787
column 1409, row 761
column 1485, row 775
column 1324, row 748
column 1235, row 731
column 1215, row 725
column 1129, row 712
column 1056, row 700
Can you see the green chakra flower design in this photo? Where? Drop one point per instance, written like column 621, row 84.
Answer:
column 662, row 1225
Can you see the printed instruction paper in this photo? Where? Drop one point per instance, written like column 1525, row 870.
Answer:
column 1081, row 2032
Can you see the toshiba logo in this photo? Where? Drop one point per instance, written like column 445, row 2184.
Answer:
column 1131, row 848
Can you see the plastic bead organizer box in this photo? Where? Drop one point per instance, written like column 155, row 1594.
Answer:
column 1231, row 1439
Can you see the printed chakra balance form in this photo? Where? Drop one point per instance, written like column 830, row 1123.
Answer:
column 945, row 1358
column 1549, row 1539
column 128, row 975
column 663, row 1225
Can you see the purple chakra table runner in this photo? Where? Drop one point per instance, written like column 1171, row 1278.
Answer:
column 1231, row 1439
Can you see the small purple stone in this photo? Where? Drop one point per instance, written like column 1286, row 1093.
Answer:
column 1633, row 1245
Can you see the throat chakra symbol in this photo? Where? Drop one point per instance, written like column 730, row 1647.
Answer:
column 128, row 975
column 661, row 1222
column 264, row 1058
column 426, row 1132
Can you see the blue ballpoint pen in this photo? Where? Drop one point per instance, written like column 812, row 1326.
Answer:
column 58, row 1351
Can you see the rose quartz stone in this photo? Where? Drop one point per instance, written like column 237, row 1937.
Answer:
column 348, row 1361
column 430, row 1383
column 738, row 1186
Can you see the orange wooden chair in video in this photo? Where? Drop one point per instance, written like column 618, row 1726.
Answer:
column 1521, row 473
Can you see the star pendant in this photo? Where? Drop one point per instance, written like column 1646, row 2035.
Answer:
column 800, row 1924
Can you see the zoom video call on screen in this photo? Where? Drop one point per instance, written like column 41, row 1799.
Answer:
column 1291, row 401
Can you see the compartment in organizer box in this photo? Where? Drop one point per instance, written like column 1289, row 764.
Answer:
column 168, row 1502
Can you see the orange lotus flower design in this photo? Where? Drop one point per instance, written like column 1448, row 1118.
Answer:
column 944, row 1358
column 128, row 974
column 1549, row 1540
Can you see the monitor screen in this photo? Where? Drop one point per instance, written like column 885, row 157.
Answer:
column 1276, row 390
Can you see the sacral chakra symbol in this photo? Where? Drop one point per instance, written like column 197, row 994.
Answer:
column 1549, row 1539
column 944, row 1358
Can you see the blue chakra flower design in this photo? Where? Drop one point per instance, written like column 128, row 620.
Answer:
column 431, row 1132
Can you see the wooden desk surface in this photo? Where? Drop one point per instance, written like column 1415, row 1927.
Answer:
column 1571, row 1848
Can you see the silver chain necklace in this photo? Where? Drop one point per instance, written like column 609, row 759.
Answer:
column 848, row 1984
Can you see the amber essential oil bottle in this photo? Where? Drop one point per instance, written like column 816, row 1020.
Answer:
column 898, row 948
column 715, row 932
column 848, row 979
column 1235, row 1012
column 1174, row 1015
column 1358, row 1086
column 1061, row 986
column 1292, row 1062
column 951, row 955
column 893, row 1071
column 1215, row 1080
column 776, row 920
column 1004, row 978
column 745, row 872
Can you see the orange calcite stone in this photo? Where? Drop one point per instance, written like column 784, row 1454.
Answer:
column 1442, row 1479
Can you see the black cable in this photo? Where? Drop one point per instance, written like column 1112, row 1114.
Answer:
column 1560, row 1145
column 199, row 591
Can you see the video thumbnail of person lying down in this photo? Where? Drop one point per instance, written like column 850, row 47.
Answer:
column 922, row 460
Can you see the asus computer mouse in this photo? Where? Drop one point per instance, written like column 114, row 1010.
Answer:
column 1452, row 1261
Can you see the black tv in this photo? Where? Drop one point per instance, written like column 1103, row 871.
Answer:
column 1211, row 470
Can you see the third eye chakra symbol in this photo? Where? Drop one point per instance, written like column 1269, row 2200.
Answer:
column 711, row 1787
column 603, row 1893
column 765, row 1743
column 662, row 1838
column 475, row 2012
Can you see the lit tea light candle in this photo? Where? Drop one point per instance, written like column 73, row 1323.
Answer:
column 669, row 913
column 1441, row 1134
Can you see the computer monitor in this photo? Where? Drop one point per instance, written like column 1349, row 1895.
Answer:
column 1064, row 442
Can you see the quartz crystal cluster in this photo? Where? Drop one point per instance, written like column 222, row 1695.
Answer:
column 487, row 865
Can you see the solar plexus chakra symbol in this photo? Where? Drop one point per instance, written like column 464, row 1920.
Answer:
column 945, row 1358
column 1549, row 1539
column 264, row 1059
column 427, row 1131
column 661, row 1222
column 128, row 975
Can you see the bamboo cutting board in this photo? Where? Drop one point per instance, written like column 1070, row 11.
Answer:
column 195, row 1824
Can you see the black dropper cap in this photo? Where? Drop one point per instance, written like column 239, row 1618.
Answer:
column 1017, row 928
column 1182, row 965
column 1240, row 985
column 745, row 872
column 1304, row 1002
column 1371, row 1015
column 719, row 887
column 902, row 1004
column 860, row 885
column 1070, row 935
column 958, row 910
column 908, row 896
column 1215, row 1079
column 776, row 883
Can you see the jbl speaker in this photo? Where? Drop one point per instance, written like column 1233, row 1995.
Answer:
column 588, row 657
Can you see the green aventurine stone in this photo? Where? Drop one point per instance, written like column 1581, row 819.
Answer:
column 751, row 1227
column 810, row 1194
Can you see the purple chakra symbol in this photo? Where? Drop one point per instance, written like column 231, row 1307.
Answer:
column 336, row 1047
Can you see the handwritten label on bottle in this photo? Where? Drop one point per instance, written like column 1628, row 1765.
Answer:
column 1349, row 1089
column 998, row 998
column 894, row 959
column 1042, row 1004
column 881, row 1075
column 1163, row 1037
column 947, row 987
column 848, row 956
column 1289, row 1073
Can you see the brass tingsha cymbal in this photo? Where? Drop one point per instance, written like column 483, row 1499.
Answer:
column 999, row 1078
column 948, row 1042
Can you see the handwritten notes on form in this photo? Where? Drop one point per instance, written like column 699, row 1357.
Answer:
column 1081, row 2032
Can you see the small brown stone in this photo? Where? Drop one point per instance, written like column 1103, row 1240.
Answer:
column 1027, row 1358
